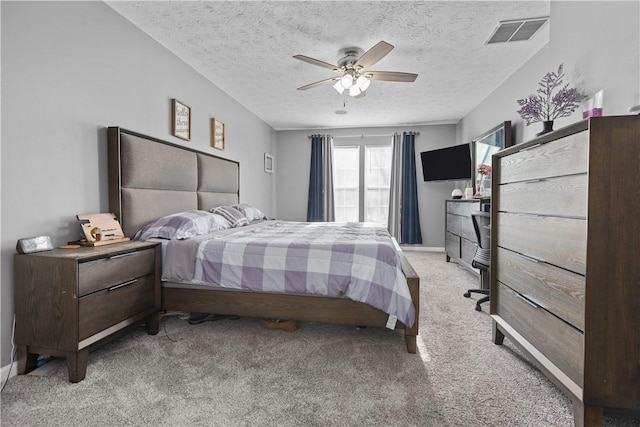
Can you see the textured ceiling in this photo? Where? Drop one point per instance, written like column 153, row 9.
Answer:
column 246, row 48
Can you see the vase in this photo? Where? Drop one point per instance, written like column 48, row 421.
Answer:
column 486, row 186
column 479, row 189
column 547, row 126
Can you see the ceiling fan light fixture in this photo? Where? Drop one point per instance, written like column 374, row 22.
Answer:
column 352, row 69
column 346, row 81
column 363, row 83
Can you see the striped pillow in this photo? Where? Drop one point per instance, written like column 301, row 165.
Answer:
column 234, row 216
column 252, row 213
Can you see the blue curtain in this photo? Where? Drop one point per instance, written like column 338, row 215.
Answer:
column 410, row 232
column 315, row 204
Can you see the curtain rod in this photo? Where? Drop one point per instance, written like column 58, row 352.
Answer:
column 363, row 135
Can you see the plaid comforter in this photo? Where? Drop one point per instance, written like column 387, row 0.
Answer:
column 353, row 260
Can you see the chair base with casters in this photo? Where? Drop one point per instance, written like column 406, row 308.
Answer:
column 481, row 300
column 482, row 257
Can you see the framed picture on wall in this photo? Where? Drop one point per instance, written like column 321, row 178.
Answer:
column 217, row 134
column 268, row 163
column 180, row 120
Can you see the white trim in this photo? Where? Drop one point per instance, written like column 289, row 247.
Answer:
column 5, row 370
column 420, row 248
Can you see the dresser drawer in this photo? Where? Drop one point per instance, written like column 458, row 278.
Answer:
column 463, row 208
column 559, row 291
column 558, row 241
column 106, row 272
column 452, row 244
column 105, row 308
column 566, row 156
column 467, row 250
column 466, row 229
column 454, row 222
column 560, row 196
column 559, row 342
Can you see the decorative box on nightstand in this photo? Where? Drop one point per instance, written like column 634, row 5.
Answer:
column 67, row 301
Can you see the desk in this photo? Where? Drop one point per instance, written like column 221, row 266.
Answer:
column 460, row 238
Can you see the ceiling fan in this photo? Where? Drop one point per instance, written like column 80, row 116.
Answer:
column 352, row 70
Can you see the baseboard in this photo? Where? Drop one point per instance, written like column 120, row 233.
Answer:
column 5, row 371
column 421, row 248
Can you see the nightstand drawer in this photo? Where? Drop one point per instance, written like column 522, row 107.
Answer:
column 105, row 308
column 558, row 341
column 106, row 272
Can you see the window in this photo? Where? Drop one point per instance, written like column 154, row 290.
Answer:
column 346, row 183
column 377, row 179
column 361, row 180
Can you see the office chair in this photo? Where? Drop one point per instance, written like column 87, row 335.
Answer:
column 482, row 257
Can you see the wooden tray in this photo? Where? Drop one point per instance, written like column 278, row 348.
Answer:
column 100, row 242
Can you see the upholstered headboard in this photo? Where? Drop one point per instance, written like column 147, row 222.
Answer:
column 150, row 178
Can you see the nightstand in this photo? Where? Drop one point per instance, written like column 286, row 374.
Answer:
column 68, row 301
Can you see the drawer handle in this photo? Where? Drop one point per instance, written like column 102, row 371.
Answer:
column 533, row 181
column 122, row 285
column 121, row 255
column 531, row 303
column 534, row 146
column 531, row 258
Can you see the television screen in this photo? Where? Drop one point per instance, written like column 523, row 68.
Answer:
column 448, row 163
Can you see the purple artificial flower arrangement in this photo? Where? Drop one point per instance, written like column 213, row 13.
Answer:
column 545, row 105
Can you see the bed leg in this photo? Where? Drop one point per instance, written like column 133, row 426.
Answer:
column 411, row 343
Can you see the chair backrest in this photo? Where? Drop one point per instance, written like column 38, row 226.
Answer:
column 481, row 224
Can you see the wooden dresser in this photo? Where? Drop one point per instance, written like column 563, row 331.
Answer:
column 70, row 300
column 460, row 239
column 565, row 266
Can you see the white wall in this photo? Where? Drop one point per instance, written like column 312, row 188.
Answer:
column 69, row 70
column 294, row 155
column 599, row 44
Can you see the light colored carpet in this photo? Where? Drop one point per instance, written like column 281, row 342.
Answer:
column 237, row 373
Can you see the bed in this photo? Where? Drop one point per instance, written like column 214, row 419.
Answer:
column 150, row 179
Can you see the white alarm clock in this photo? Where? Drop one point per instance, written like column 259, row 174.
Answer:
column 34, row 244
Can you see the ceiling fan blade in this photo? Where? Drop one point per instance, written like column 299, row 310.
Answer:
column 317, row 62
column 373, row 55
column 391, row 76
column 320, row 83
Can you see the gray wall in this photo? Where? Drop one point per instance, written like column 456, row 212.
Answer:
column 70, row 69
column 599, row 44
column 292, row 181
column 64, row 79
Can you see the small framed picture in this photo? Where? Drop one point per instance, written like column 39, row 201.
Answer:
column 181, row 120
column 217, row 134
column 268, row 163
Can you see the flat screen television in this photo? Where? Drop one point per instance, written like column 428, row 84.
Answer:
column 448, row 163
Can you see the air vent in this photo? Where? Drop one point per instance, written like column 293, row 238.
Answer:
column 519, row 30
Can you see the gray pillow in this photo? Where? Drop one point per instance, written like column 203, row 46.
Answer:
column 183, row 225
